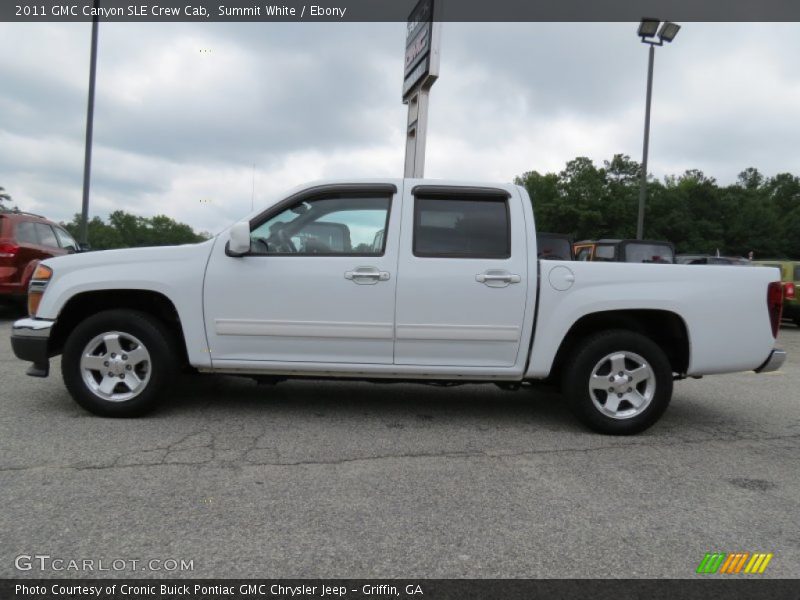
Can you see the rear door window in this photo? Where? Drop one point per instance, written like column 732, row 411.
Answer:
column 461, row 228
column 46, row 235
column 26, row 233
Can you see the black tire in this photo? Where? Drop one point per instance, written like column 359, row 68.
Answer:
column 592, row 412
column 159, row 371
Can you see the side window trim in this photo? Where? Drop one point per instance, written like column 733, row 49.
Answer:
column 323, row 191
column 455, row 193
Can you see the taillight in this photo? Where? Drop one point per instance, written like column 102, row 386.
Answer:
column 788, row 291
column 775, row 305
column 8, row 249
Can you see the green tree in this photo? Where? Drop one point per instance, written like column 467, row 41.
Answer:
column 692, row 210
column 791, row 234
column 752, row 221
column 784, row 191
column 4, row 197
column 623, row 177
column 125, row 230
column 551, row 214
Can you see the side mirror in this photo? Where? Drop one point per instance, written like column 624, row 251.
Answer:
column 84, row 247
column 239, row 243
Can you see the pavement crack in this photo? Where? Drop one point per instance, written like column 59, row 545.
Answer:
column 245, row 458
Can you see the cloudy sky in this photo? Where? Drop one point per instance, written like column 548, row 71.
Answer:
column 184, row 111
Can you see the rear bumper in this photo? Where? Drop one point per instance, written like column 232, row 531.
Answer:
column 774, row 361
column 30, row 341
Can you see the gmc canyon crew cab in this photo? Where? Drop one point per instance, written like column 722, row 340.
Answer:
column 415, row 280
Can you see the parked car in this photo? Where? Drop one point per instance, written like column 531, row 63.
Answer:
column 614, row 250
column 790, row 276
column 26, row 239
column 454, row 293
column 707, row 259
column 554, row 246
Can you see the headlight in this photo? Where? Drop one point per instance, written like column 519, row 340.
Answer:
column 41, row 277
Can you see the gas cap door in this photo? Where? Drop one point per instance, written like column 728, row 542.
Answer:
column 561, row 278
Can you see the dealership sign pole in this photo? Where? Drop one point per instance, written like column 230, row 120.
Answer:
column 421, row 71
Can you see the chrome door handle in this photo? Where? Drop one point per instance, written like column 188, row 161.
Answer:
column 366, row 275
column 495, row 278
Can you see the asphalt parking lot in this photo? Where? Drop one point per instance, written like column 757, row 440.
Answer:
column 310, row 479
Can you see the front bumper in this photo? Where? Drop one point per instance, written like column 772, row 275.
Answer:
column 774, row 361
column 30, row 341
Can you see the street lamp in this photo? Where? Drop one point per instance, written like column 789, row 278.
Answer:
column 83, row 235
column 654, row 33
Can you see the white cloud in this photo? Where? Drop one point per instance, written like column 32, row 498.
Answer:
column 175, row 125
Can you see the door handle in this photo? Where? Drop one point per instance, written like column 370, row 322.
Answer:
column 496, row 278
column 366, row 275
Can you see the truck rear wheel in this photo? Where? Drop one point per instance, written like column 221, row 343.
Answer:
column 116, row 363
column 618, row 382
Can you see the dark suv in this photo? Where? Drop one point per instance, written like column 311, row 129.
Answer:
column 644, row 251
column 25, row 239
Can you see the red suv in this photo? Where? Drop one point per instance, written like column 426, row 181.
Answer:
column 25, row 239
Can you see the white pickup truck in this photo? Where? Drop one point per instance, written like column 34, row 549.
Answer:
column 417, row 280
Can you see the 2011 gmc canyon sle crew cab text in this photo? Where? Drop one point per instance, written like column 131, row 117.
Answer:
column 395, row 279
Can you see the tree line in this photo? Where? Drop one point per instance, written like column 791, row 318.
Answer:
column 125, row 230
column 756, row 213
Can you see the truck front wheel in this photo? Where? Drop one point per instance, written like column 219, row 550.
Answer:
column 618, row 382
column 116, row 363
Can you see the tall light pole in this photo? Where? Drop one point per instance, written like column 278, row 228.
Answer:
column 648, row 32
column 87, row 157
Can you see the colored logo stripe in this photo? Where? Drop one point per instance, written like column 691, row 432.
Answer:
column 734, row 562
column 731, row 563
column 711, row 562
column 758, row 563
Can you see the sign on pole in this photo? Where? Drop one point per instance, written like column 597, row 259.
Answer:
column 421, row 71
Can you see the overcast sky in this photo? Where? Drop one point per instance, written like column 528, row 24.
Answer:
column 184, row 111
